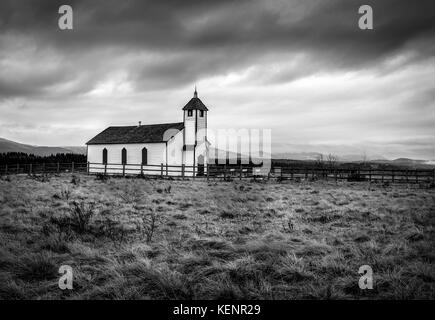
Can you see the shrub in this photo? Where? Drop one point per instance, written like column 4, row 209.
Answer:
column 149, row 225
column 62, row 226
column 110, row 228
column 101, row 177
column 227, row 215
column 75, row 180
column 81, row 214
column 37, row 267
column 43, row 177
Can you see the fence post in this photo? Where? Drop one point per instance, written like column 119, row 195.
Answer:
column 416, row 176
column 166, row 169
column 58, row 167
column 161, row 170
column 370, row 175
column 193, row 171
column 241, row 171
column 182, row 171
column 123, row 169
column 280, row 173
column 141, row 169
column 87, row 167
column 30, row 169
column 72, row 167
column 208, row 176
column 225, row 172
column 105, row 169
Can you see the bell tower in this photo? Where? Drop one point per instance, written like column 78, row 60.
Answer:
column 195, row 130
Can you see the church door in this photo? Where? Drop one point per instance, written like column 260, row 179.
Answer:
column 200, row 165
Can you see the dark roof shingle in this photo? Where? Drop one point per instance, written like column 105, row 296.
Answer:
column 195, row 104
column 135, row 134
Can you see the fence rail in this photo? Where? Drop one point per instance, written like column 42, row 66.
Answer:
column 226, row 172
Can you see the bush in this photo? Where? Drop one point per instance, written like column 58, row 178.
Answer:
column 81, row 214
column 150, row 225
column 101, row 177
column 110, row 228
column 62, row 226
column 75, row 180
column 37, row 267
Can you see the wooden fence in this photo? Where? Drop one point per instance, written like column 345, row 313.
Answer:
column 42, row 168
column 225, row 172
column 377, row 175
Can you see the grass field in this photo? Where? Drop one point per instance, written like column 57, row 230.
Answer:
column 155, row 239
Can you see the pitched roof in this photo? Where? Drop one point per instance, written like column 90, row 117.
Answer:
column 135, row 134
column 195, row 104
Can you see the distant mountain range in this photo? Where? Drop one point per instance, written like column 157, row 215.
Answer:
column 11, row 146
column 315, row 155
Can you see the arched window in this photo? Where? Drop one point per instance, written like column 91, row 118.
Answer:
column 189, row 113
column 104, row 156
column 144, row 156
column 124, row 156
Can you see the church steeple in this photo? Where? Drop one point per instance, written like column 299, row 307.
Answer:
column 195, row 103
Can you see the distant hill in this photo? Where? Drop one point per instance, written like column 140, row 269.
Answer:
column 315, row 155
column 11, row 146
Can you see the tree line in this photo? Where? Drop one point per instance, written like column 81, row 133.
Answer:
column 24, row 158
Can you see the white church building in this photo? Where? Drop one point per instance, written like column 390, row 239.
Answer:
column 167, row 148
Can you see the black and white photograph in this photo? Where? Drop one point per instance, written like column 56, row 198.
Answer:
column 239, row 151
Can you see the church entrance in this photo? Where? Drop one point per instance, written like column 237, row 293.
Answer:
column 200, row 165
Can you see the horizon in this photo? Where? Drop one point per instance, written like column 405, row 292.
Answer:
column 300, row 68
column 276, row 156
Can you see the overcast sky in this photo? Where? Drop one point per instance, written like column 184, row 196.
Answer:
column 302, row 68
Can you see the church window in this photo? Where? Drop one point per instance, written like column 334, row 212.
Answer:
column 189, row 113
column 124, row 156
column 104, row 156
column 201, row 113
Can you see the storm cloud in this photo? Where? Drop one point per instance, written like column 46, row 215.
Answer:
column 302, row 68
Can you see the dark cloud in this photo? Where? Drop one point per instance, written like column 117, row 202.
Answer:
column 197, row 39
column 141, row 47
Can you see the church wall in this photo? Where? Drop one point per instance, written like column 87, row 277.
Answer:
column 189, row 127
column 175, row 147
column 202, row 125
column 156, row 156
